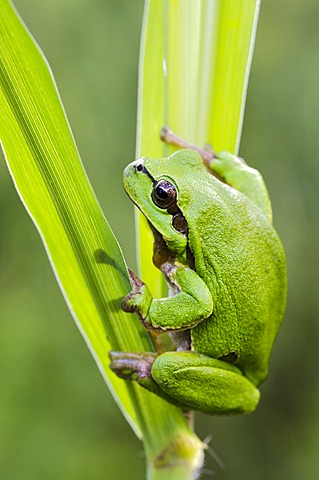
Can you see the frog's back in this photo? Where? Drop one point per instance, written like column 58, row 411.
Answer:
column 239, row 255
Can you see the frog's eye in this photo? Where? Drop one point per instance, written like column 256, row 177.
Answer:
column 164, row 194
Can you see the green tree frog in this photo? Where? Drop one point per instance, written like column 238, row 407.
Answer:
column 225, row 268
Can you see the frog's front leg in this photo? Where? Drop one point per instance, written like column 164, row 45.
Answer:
column 190, row 305
column 190, row 380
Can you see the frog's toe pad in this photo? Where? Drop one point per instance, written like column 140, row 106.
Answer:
column 132, row 366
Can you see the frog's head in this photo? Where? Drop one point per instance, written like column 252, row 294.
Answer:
column 162, row 189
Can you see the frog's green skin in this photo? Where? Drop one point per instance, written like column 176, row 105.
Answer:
column 226, row 269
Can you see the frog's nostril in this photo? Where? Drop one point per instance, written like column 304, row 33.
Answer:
column 139, row 167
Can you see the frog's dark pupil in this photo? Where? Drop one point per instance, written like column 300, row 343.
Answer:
column 160, row 192
column 139, row 167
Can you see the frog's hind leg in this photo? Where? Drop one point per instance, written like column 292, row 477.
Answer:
column 204, row 383
column 189, row 380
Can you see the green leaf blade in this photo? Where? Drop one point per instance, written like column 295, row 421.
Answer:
column 49, row 177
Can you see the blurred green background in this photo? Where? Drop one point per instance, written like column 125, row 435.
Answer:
column 57, row 418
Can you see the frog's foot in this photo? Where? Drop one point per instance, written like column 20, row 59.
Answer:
column 132, row 366
column 138, row 300
column 136, row 282
column 168, row 136
column 138, row 367
column 137, row 289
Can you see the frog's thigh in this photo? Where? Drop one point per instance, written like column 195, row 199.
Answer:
column 204, row 383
